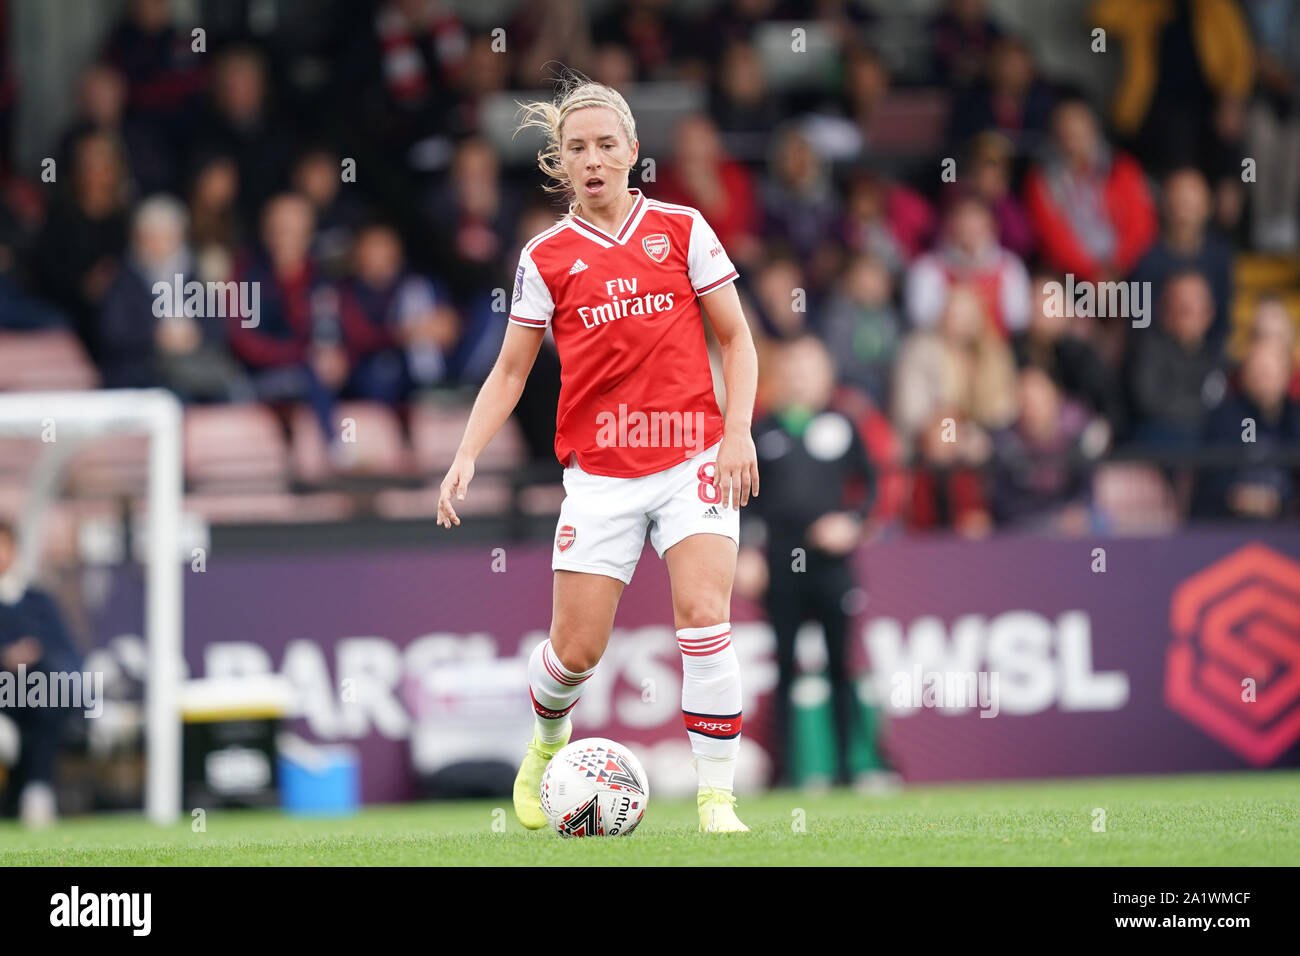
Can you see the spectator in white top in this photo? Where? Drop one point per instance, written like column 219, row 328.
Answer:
column 968, row 254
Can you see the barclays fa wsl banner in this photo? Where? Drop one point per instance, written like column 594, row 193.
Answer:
column 1012, row 657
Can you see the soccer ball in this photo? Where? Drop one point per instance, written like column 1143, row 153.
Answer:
column 594, row 787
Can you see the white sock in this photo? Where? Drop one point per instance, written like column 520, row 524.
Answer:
column 552, row 731
column 554, row 690
column 711, row 702
column 37, row 806
column 716, row 773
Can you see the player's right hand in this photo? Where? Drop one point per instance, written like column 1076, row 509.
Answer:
column 459, row 475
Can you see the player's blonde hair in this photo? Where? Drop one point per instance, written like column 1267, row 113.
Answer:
column 576, row 92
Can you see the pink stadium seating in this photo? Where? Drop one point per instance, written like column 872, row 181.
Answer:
column 114, row 465
column 17, row 456
column 235, row 447
column 436, row 432
column 377, row 448
column 911, row 121
column 270, row 507
column 44, row 361
column 487, row 495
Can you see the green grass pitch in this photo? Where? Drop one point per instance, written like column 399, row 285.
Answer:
column 1243, row 819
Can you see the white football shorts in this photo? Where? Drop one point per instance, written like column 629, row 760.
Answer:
column 603, row 520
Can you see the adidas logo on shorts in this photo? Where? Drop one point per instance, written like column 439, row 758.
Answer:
column 712, row 512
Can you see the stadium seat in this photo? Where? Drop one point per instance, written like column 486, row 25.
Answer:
column 102, row 467
column 506, row 450
column 234, row 447
column 270, row 507
column 17, row 456
column 377, row 448
column 436, row 431
column 50, row 360
column 487, row 496
column 912, row 122
column 12, row 496
column 111, row 466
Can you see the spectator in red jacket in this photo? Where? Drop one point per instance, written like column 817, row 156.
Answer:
column 1089, row 204
column 703, row 176
column 946, row 494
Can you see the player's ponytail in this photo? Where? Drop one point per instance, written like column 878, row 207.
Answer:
column 576, row 92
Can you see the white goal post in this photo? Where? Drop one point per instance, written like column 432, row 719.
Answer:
column 63, row 421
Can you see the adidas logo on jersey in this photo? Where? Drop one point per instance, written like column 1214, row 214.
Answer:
column 712, row 512
column 578, row 266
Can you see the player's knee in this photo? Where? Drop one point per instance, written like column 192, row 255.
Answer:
column 701, row 611
column 573, row 658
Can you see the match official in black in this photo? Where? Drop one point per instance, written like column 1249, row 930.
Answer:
column 818, row 487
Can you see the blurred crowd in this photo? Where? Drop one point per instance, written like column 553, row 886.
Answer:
column 924, row 262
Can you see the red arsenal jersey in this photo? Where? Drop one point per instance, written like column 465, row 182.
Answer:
column 636, row 391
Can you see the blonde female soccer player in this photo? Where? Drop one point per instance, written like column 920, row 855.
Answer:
column 624, row 283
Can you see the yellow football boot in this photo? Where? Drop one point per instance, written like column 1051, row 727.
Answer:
column 528, row 782
column 718, row 812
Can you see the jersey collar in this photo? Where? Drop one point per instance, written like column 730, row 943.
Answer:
column 624, row 232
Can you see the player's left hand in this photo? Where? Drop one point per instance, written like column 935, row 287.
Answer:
column 736, row 471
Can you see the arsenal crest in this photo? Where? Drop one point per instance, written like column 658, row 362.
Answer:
column 564, row 540
column 656, row 247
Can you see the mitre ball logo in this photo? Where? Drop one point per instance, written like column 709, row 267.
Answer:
column 1233, row 668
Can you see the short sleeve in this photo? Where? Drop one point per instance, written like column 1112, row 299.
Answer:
column 708, row 263
column 530, row 303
